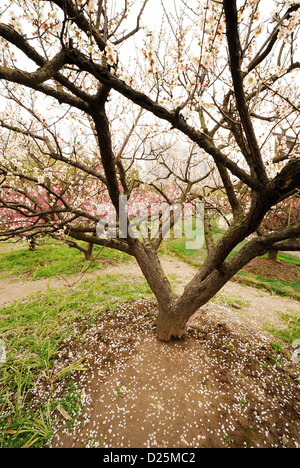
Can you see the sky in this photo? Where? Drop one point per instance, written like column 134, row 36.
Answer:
column 152, row 17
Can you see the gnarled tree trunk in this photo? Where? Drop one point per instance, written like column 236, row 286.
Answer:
column 174, row 312
column 172, row 320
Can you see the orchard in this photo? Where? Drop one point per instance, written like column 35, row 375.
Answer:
column 96, row 101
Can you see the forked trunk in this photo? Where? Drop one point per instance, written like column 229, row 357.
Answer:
column 175, row 312
column 172, row 320
column 170, row 324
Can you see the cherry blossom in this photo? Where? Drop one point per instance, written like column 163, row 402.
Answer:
column 202, row 108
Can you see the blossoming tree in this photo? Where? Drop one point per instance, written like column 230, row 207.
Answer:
column 222, row 75
column 55, row 187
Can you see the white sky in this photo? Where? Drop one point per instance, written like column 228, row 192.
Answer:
column 152, row 17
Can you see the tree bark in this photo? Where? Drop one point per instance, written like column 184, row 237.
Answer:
column 170, row 324
column 32, row 245
column 172, row 320
column 272, row 254
column 148, row 260
column 89, row 252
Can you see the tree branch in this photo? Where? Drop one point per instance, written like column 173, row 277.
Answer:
column 177, row 122
column 269, row 44
column 46, row 72
column 12, row 36
column 77, row 16
column 136, row 29
column 254, row 159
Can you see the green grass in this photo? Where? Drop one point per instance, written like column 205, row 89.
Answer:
column 273, row 286
column 33, row 332
column 52, row 259
column 198, row 256
column 290, row 332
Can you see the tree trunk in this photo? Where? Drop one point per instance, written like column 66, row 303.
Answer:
column 88, row 253
column 208, row 234
column 32, row 244
column 172, row 321
column 272, row 254
column 174, row 312
column 170, row 324
column 147, row 258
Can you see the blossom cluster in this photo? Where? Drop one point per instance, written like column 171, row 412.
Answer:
column 183, row 67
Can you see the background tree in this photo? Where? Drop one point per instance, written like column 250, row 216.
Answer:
column 221, row 75
column 55, row 187
column 285, row 215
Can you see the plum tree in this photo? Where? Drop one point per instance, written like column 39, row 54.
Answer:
column 221, row 75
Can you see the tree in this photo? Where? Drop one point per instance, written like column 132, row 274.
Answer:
column 53, row 187
column 222, row 76
column 286, row 214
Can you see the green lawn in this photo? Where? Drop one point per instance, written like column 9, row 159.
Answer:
column 52, row 259
column 33, row 332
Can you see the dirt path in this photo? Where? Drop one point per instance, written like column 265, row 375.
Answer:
column 218, row 387
column 12, row 289
column 262, row 307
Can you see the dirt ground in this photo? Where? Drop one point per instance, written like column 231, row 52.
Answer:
column 278, row 269
column 218, row 387
column 222, row 385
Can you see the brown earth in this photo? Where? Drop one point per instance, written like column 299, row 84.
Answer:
column 223, row 385
column 276, row 269
column 218, row 387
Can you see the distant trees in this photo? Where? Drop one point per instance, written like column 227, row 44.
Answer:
column 285, row 215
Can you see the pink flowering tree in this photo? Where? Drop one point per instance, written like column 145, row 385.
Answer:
column 221, row 76
column 44, row 193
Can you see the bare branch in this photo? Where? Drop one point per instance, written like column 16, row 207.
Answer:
column 254, row 159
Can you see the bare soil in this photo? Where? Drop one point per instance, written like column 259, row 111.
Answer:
column 276, row 269
column 217, row 387
column 222, row 385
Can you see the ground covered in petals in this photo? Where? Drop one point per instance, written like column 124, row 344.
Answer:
column 221, row 385
column 84, row 368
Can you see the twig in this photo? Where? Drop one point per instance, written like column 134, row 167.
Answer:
column 84, row 272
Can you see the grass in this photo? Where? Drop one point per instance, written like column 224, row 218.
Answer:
column 198, row 256
column 290, row 332
column 52, row 259
column 273, row 286
column 33, row 332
